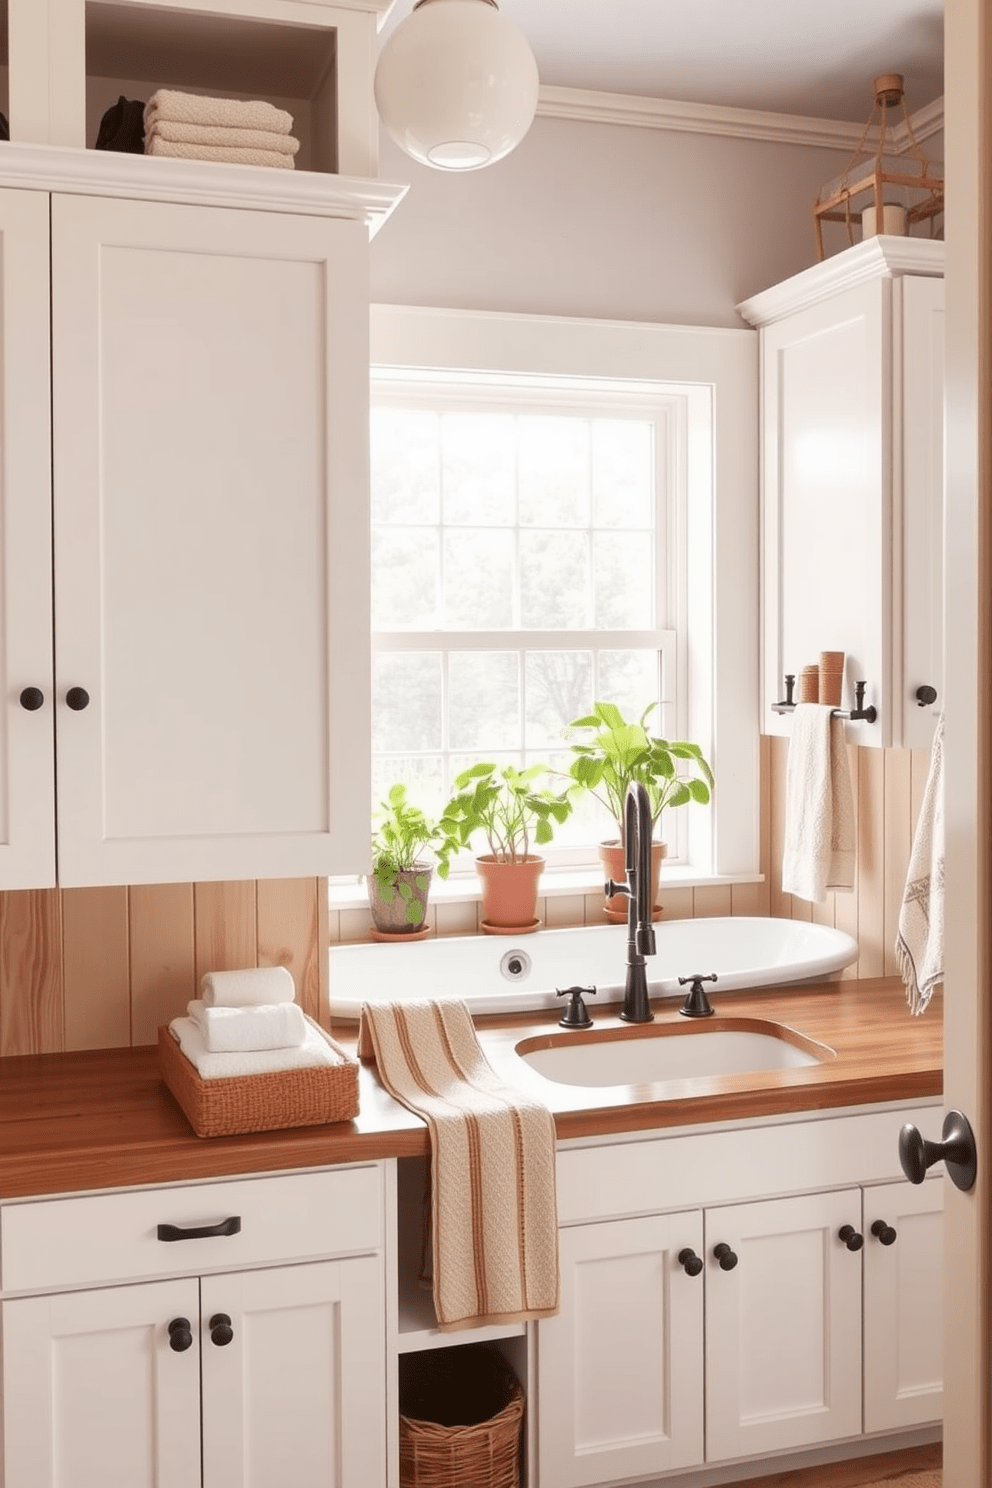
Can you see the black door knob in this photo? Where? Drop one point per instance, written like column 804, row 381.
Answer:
column 77, row 698
column 957, row 1150
column 221, row 1331
column 925, row 696
column 850, row 1237
column 690, row 1262
column 884, row 1233
column 32, row 698
column 723, row 1254
column 180, row 1335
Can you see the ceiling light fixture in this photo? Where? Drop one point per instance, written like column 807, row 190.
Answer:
column 456, row 85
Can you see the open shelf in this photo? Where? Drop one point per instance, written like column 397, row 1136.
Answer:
column 132, row 50
column 417, row 1321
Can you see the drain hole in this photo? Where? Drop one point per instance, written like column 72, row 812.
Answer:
column 515, row 966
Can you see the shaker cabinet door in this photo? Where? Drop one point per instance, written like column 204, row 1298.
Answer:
column 96, row 1394
column 621, row 1366
column 210, row 387
column 27, row 730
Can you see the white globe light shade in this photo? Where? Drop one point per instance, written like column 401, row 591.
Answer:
column 456, row 85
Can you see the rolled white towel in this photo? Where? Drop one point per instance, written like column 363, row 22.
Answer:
column 199, row 108
column 318, row 1050
column 220, row 153
column 228, row 1030
column 249, row 988
column 219, row 134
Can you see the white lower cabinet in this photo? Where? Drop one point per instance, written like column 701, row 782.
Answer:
column 242, row 1378
column 621, row 1366
column 783, row 1324
column 815, row 1317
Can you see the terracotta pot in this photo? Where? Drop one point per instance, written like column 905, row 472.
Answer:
column 611, row 855
column 509, row 892
column 400, row 907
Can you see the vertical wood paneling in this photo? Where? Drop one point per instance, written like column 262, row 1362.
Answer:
column 162, row 959
column 846, row 903
column 31, row 1014
column 287, row 934
column 225, row 926
column 898, row 829
column 871, row 861
column 95, row 970
column 710, row 902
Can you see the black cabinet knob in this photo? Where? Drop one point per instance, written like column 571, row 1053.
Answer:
column 884, row 1233
column 957, row 1150
column 180, row 1335
column 32, row 698
column 690, row 1262
column 77, row 698
column 850, row 1237
column 221, row 1331
column 724, row 1256
column 925, row 696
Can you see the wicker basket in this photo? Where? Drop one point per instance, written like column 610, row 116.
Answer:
column 472, row 1408
column 250, row 1103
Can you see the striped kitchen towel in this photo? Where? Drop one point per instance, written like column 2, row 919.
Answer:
column 493, row 1207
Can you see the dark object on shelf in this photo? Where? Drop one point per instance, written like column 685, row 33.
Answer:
column 576, row 1015
column 461, row 1411
column 858, row 712
column 122, row 127
column 4, row 128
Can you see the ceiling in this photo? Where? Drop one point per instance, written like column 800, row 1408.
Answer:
column 815, row 58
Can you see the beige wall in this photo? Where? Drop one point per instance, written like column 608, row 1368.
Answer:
column 605, row 221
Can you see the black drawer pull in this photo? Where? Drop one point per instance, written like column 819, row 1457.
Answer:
column 230, row 1226
column 221, row 1331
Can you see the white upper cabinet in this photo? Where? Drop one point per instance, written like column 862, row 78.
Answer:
column 27, row 731
column 852, row 481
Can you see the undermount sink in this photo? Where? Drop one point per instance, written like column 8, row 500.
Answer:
column 650, row 1054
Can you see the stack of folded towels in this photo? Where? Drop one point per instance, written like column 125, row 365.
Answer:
column 248, row 1023
column 189, row 126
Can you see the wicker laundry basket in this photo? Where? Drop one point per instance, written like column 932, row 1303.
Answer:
column 461, row 1411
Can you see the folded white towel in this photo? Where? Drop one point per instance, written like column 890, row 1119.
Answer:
column 249, row 988
column 220, row 134
column 228, row 1030
column 221, row 153
column 819, row 807
column 920, row 938
column 199, row 108
column 316, row 1051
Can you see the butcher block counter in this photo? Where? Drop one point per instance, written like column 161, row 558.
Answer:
column 103, row 1119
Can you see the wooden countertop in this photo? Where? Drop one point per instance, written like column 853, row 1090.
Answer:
column 103, row 1119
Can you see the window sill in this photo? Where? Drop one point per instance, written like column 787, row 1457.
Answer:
column 466, row 888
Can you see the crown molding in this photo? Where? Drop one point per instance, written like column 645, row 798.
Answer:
column 875, row 258
column 732, row 123
column 198, row 182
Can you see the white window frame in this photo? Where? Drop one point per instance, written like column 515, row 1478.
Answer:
column 716, row 594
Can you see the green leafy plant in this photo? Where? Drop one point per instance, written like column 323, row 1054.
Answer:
column 614, row 751
column 403, row 833
column 507, row 805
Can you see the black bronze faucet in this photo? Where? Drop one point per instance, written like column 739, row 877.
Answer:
column 640, row 931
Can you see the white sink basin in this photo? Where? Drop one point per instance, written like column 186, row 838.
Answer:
column 649, row 1055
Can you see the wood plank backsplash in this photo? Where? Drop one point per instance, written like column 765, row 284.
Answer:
column 102, row 968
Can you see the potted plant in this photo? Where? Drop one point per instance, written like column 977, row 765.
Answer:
column 515, row 813
column 612, row 753
column 401, row 874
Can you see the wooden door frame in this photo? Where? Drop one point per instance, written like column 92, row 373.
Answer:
column 968, row 780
